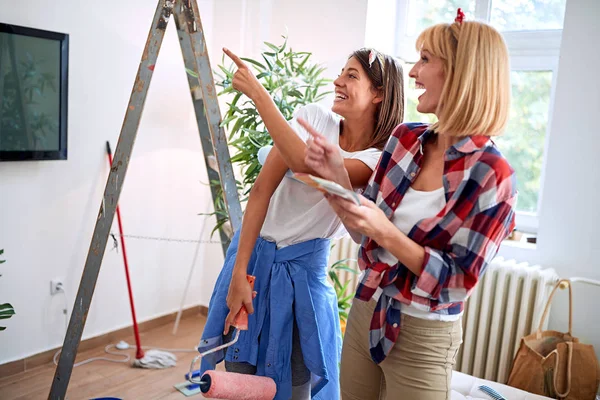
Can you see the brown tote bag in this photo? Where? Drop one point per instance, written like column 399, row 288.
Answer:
column 556, row 364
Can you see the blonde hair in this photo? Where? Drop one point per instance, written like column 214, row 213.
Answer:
column 475, row 99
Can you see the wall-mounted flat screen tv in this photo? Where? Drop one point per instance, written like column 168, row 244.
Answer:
column 33, row 94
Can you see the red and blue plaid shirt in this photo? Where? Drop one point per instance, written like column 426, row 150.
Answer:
column 459, row 242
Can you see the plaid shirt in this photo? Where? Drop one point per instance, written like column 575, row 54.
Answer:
column 459, row 242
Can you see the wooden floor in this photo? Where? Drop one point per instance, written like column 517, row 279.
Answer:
column 120, row 380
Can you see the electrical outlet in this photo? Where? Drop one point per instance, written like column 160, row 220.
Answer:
column 56, row 286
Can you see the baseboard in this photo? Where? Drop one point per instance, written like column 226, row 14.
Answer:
column 27, row 363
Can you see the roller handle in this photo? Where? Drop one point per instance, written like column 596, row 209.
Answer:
column 241, row 319
column 240, row 323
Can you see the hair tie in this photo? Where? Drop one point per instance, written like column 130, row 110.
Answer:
column 460, row 16
column 374, row 54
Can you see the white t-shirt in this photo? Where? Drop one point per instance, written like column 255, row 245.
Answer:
column 415, row 206
column 297, row 212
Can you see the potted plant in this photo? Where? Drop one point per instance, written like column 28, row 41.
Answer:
column 342, row 288
column 292, row 80
column 6, row 309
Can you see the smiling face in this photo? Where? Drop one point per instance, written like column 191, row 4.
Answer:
column 354, row 92
column 429, row 76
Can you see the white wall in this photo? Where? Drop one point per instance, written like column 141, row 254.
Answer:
column 48, row 209
column 329, row 29
column 569, row 215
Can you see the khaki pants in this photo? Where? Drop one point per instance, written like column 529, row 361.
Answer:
column 419, row 367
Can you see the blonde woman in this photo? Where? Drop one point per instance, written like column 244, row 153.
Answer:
column 439, row 204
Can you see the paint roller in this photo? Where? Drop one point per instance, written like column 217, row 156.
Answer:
column 231, row 385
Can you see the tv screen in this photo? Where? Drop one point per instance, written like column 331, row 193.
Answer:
column 33, row 94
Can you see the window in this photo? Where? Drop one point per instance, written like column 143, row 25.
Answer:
column 532, row 30
column 523, row 15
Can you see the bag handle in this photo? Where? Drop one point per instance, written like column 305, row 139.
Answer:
column 566, row 393
column 560, row 283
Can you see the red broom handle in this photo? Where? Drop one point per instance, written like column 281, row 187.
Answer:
column 140, row 352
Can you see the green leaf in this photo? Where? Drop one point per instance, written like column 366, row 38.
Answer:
column 236, row 127
column 322, row 96
column 284, row 43
column 319, row 71
column 263, row 74
column 344, row 288
column 254, row 62
column 273, row 47
column 343, row 261
column 230, row 89
column 344, row 315
column 218, row 226
column 227, row 121
column 295, row 93
column 252, row 131
column 242, row 156
column 347, row 298
column 255, row 141
column 235, row 100
column 352, row 271
column 191, row 73
column 336, row 280
column 6, row 311
column 253, row 169
column 227, row 73
column 269, row 64
column 238, row 141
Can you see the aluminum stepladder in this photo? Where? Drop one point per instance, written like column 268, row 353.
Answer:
column 214, row 145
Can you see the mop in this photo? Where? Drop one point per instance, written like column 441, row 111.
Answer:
column 229, row 385
column 152, row 358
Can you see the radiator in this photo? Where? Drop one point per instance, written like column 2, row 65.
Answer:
column 505, row 306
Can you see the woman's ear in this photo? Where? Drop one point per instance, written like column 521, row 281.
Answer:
column 379, row 97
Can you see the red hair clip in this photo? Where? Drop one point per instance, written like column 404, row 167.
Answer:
column 460, row 16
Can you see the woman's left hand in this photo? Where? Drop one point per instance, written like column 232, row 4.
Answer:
column 368, row 219
column 323, row 157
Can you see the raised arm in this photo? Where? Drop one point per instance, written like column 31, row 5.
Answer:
column 289, row 144
column 266, row 183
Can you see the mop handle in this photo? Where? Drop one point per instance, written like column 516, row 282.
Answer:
column 240, row 324
column 139, row 351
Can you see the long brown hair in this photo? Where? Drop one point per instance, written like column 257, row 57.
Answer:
column 390, row 81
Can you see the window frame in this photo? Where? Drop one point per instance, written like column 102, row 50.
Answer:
column 528, row 51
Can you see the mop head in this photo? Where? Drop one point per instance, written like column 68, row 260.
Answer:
column 156, row 359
